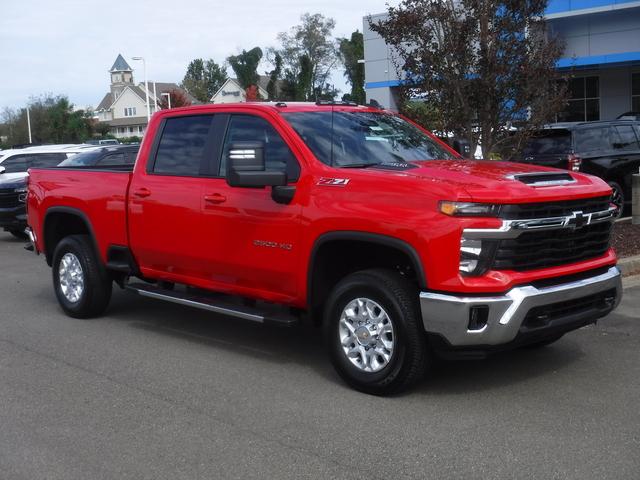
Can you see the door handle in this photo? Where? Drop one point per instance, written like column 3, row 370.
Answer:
column 215, row 198
column 142, row 192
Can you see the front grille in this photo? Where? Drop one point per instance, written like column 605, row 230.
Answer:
column 543, row 316
column 532, row 250
column 554, row 209
column 9, row 200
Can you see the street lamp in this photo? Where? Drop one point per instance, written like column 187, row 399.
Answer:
column 168, row 95
column 146, row 85
column 29, row 124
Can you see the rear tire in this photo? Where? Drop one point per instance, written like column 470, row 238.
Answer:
column 82, row 284
column 374, row 332
column 19, row 234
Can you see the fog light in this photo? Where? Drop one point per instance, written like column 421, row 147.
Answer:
column 478, row 317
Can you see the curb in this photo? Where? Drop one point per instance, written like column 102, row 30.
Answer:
column 629, row 265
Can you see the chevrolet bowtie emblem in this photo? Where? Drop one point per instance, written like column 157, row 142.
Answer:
column 578, row 220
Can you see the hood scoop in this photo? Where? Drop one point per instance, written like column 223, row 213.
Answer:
column 543, row 179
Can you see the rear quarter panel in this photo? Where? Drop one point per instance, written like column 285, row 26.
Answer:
column 99, row 195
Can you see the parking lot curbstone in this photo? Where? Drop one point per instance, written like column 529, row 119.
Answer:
column 629, row 265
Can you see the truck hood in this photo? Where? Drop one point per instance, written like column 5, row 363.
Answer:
column 502, row 182
column 12, row 177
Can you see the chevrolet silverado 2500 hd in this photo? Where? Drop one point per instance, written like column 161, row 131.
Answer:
column 348, row 215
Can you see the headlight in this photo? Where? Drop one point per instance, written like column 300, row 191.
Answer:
column 476, row 255
column 467, row 209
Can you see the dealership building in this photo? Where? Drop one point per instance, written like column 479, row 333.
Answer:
column 602, row 54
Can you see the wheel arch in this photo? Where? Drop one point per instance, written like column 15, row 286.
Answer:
column 60, row 222
column 387, row 250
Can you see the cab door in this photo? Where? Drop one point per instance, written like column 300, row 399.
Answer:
column 252, row 241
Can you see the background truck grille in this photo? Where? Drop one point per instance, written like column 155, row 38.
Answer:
column 555, row 209
column 550, row 248
column 9, row 200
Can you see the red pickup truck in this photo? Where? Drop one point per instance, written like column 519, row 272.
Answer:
column 350, row 216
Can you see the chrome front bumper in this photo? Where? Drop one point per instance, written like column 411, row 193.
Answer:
column 448, row 315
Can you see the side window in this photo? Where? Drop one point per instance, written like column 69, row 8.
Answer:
column 130, row 158
column 592, row 139
column 277, row 155
column 15, row 164
column 624, row 138
column 111, row 160
column 46, row 160
column 182, row 145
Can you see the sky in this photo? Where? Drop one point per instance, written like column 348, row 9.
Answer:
column 68, row 46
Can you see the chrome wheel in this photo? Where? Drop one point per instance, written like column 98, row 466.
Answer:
column 366, row 335
column 71, row 277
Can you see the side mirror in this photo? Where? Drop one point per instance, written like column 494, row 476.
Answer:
column 246, row 167
column 2, row 169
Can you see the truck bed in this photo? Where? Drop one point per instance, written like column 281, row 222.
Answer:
column 100, row 196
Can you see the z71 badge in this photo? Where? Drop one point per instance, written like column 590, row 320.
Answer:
column 333, row 182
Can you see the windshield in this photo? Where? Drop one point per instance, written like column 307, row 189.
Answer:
column 363, row 138
column 550, row 142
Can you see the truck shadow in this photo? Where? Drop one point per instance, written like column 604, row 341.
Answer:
column 304, row 345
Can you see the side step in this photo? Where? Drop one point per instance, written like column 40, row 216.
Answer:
column 212, row 304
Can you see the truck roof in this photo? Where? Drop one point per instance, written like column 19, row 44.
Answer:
column 320, row 106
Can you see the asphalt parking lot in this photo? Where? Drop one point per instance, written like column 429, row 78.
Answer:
column 155, row 391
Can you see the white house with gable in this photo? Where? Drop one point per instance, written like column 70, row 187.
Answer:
column 124, row 107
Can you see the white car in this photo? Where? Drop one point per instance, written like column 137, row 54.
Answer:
column 14, row 163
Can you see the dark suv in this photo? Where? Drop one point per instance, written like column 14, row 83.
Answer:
column 607, row 149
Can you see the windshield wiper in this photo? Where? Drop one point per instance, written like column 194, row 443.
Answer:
column 358, row 165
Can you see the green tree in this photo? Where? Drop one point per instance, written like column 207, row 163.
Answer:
column 481, row 65
column 245, row 66
column 203, row 79
column 53, row 120
column 194, row 80
column 274, row 77
column 215, row 76
column 308, row 55
column 351, row 51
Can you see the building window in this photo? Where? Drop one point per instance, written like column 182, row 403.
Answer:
column 130, row 129
column 130, row 111
column 584, row 100
column 635, row 92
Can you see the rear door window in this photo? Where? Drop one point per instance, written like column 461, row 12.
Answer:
column 182, row 146
column 549, row 143
column 624, row 138
column 589, row 140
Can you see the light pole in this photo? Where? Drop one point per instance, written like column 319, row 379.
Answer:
column 168, row 95
column 29, row 124
column 146, row 86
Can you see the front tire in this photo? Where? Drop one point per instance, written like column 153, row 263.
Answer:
column 374, row 332
column 82, row 284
